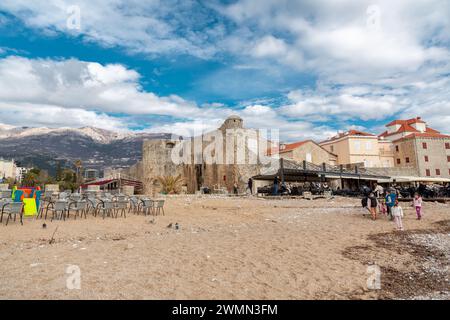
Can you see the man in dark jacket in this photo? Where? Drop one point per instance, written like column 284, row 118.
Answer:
column 275, row 186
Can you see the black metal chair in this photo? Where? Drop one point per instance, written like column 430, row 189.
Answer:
column 122, row 206
column 58, row 207
column 12, row 209
column 158, row 207
column 105, row 206
column 80, row 207
column 147, row 206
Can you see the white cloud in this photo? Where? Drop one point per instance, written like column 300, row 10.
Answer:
column 371, row 63
column 78, row 84
column 270, row 46
column 38, row 115
column 151, row 26
column 338, row 38
column 341, row 103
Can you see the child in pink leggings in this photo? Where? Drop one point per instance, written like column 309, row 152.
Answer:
column 417, row 203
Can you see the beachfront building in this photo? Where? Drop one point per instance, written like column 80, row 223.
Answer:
column 307, row 150
column 220, row 160
column 401, row 128
column 357, row 147
column 20, row 173
column 419, row 148
column 8, row 169
column 91, row 174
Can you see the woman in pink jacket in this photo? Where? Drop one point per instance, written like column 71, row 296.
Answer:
column 417, row 203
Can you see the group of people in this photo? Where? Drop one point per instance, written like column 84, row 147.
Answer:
column 390, row 206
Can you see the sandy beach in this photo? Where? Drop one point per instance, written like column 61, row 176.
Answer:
column 231, row 248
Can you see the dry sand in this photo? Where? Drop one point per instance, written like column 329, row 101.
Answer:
column 229, row 248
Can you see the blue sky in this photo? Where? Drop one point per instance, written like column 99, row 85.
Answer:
column 308, row 68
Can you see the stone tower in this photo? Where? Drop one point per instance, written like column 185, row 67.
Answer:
column 232, row 122
column 157, row 161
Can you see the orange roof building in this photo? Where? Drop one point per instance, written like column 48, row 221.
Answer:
column 307, row 150
column 419, row 148
column 359, row 147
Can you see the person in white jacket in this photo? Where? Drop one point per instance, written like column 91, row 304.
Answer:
column 397, row 213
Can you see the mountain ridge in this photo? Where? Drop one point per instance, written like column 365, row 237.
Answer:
column 97, row 148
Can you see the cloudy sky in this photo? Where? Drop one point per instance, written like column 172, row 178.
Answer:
column 308, row 68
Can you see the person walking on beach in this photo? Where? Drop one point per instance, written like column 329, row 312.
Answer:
column 391, row 198
column 397, row 213
column 378, row 190
column 372, row 204
column 275, row 186
column 383, row 207
column 235, row 188
column 417, row 203
column 250, row 185
column 365, row 204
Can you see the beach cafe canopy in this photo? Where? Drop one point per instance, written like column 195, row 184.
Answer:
column 403, row 179
column 289, row 170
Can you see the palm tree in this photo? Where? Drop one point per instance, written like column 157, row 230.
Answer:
column 78, row 165
column 170, row 184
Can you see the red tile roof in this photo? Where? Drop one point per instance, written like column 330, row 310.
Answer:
column 292, row 146
column 409, row 121
column 424, row 135
column 430, row 130
column 349, row 133
column 287, row 147
column 405, row 126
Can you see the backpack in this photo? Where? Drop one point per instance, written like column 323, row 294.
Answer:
column 364, row 202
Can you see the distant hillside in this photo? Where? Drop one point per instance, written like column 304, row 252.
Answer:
column 97, row 148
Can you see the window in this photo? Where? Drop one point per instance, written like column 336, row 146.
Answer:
column 396, row 148
column 447, row 145
column 428, row 172
column 424, row 145
column 426, row 159
column 308, row 157
column 357, row 145
column 448, row 158
column 399, row 161
column 407, row 160
column 368, row 145
column 438, row 172
column 332, row 148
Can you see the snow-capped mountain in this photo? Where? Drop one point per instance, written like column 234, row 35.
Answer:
column 100, row 135
column 97, row 148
